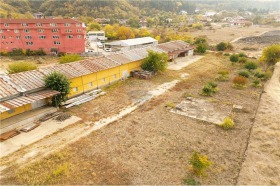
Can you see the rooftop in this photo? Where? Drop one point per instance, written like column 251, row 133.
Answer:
column 47, row 20
column 132, row 42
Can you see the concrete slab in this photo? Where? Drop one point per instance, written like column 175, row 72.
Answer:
column 18, row 121
column 204, row 110
column 23, row 139
column 183, row 62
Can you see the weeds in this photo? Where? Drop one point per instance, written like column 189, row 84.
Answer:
column 227, row 124
column 170, row 105
column 199, row 164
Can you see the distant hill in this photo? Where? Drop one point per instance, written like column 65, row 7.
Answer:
column 115, row 9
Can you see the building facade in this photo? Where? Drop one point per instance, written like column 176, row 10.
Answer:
column 51, row 35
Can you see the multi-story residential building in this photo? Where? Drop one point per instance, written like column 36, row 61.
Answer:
column 51, row 35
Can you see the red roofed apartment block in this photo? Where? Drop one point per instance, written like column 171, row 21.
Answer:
column 51, row 35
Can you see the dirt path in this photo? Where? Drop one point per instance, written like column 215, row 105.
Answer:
column 262, row 161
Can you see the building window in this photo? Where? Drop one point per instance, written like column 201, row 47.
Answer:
column 28, row 37
column 67, row 24
column 29, row 43
column 39, row 24
column 16, row 31
column 75, row 89
column 79, row 30
column 12, row 42
column 24, row 24
column 55, row 30
column 1, row 31
column 42, row 37
column 3, row 37
column 78, row 24
column 55, row 37
column 6, row 24
column 17, row 37
column 79, row 36
column 69, row 36
column 53, row 24
column 68, row 30
column 56, row 42
column 90, row 84
column 26, row 30
column 41, row 30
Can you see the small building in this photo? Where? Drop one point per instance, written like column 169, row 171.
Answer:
column 210, row 14
column 131, row 43
column 39, row 15
column 168, row 20
column 143, row 23
column 51, row 35
column 96, row 36
column 183, row 12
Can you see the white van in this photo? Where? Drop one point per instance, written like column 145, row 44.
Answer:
column 100, row 45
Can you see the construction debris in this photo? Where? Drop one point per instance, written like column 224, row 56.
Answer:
column 30, row 127
column 63, row 117
column 8, row 135
column 49, row 116
column 142, row 74
column 84, row 98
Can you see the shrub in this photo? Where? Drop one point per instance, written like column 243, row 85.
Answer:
column 21, row 67
column 271, row 54
column 256, row 83
column 234, row 58
column 16, row 52
column 222, row 46
column 170, row 104
column 242, row 60
column 199, row 163
column 69, row 58
column 59, row 82
column 242, row 54
column 226, row 54
column 190, row 181
column 201, row 48
column 262, row 75
column 207, row 90
column 227, row 124
column 250, row 65
column 155, row 62
column 199, row 40
column 223, row 72
column 239, row 81
column 244, row 73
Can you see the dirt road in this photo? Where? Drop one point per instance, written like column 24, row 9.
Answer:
column 262, row 161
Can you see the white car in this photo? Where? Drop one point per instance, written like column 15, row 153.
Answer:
column 100, row 45
column 108, row 50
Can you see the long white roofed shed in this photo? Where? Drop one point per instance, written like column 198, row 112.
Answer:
column 132, row 43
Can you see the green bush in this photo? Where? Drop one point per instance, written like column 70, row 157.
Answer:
column 222, row 46
column 59, row 82
column 199, row 40
column 244, row 73
column 207, row 90
column 256, row 83
column 69, row 58
column 227, row 124
column 234, row 58
column 242, row 60
column 242, row 54
column 262, row 75
column 250, row 65
column 21, row 67
column 199, row 163
column 223, row 72
column 226, row 54
column 155, row 62
column 201, row 48
column 16, row 52
column 190, row 181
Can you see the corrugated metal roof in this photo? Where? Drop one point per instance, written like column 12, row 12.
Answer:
column 23, row 100
column 91, row 66
column 173, row 45
column 133, row 42
column 6, row 89
column 107, row 63
column 119, row 58
column 28, row 80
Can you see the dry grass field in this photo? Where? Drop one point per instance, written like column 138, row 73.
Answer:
column 150, row 145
